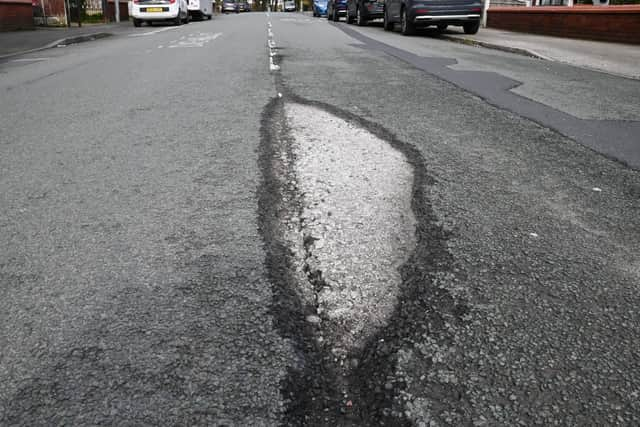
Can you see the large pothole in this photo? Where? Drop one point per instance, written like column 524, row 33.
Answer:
column 353, row 254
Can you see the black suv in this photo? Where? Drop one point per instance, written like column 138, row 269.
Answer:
column 335, row 9
column 412, row 14
column 362, row 11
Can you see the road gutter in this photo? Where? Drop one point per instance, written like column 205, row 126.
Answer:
column 474, row 42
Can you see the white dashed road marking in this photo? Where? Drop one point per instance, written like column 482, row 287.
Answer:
column 272, row 48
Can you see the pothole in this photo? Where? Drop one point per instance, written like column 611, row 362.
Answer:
column 353, row 250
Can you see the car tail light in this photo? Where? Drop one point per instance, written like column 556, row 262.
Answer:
column 422, row 11
column 136, row 1
column 476, row 9
column 172, row 1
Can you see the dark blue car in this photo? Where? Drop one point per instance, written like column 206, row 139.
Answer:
column 362, row 11
column 336, row 9
column 413, row 14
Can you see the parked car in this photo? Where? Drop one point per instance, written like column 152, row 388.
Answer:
column 159, row 10
column 412, row 14
column 247, row 6
column 362, row 11
column 319, row 7
column 199, row 9
column 289, row 6
column 336, row 9
column 229, row 6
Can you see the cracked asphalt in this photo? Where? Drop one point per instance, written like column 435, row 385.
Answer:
column 157, row 268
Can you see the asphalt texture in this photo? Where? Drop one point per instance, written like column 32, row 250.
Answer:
column 133, row 283
column 152, row 185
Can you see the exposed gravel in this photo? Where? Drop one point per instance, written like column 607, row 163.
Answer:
column 356, row 222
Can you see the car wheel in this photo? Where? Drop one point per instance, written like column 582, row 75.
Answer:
column 336, row 17
column 348, row 17
column 407, row 27
column 178, row 20
column 387, row 24
column 471, row 27
column 209, row 17
column 187, row 19
column 442, row 27
column 360, row 21
column 136, row 22
column 329, row 15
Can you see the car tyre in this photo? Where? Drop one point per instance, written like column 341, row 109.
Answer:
column 349, row 18
column 336, row 17
column 407, row 27
column 471, row 27
column 387, row 24
column 178, row 20
column 329, row 16
column 209, row 17
column 136, row 22
column 360, row 21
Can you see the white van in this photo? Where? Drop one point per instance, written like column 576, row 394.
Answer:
column 289, row 6
column 159, row 10
column 199, row 9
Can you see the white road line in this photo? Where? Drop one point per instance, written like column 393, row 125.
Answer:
column 272, row 49
column 159, row 30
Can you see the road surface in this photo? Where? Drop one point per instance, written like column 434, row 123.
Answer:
column 270, row 219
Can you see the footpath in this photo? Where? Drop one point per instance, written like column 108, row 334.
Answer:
column 613, row 58
column 13, row 43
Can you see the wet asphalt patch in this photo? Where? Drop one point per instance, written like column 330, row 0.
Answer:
column 362, row 386
column 615, row 139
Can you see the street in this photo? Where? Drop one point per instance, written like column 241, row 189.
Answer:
column 271, row 219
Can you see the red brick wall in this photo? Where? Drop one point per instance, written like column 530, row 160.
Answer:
column 612, row 23
column 16, row 15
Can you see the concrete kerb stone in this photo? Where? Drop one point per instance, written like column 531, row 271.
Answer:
column 516, row 50
column 61, row 42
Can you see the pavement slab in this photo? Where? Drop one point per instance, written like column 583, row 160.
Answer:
column 614, row 58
